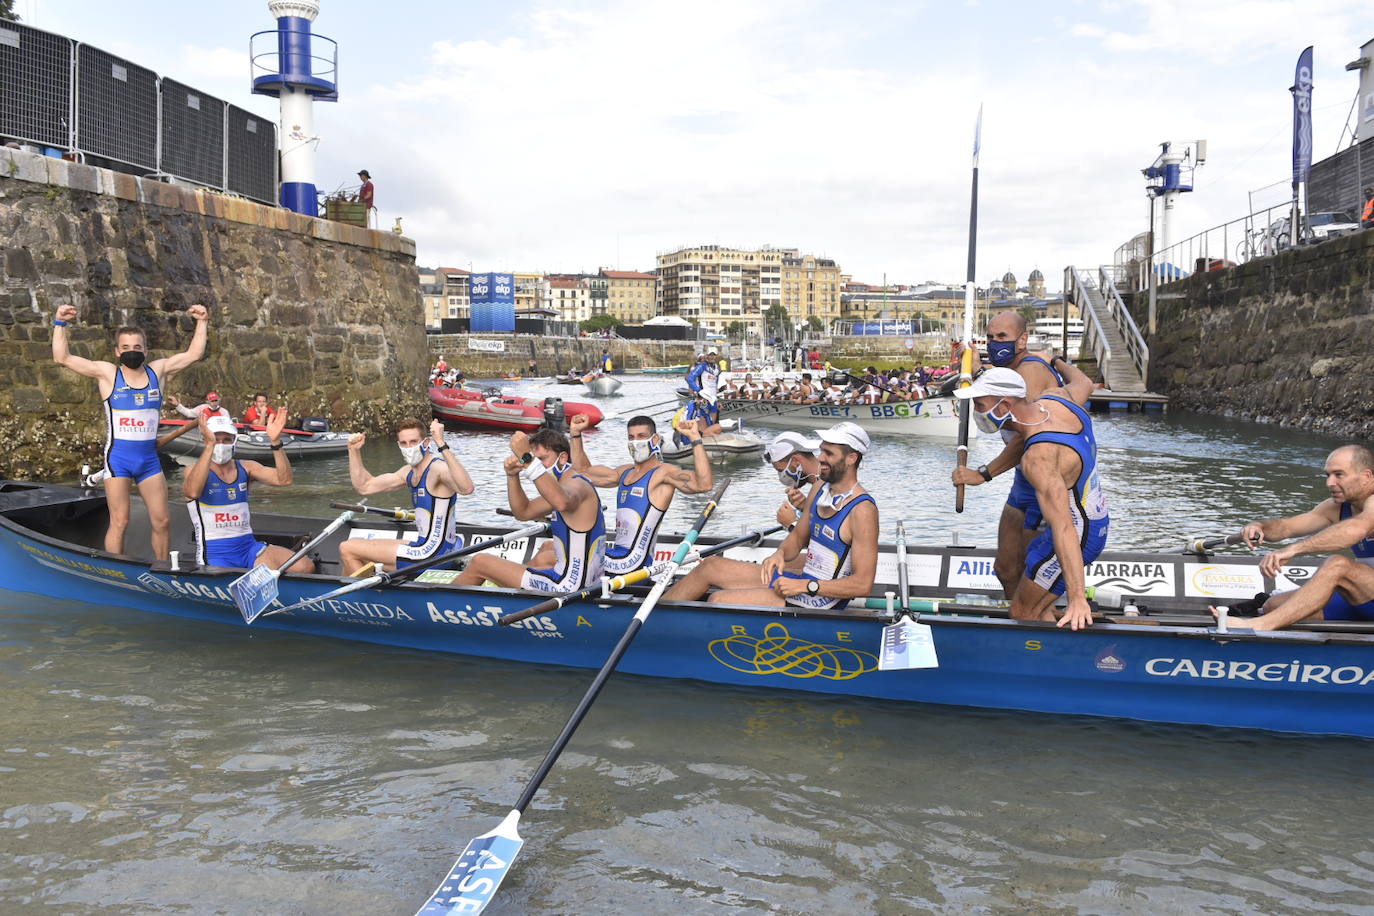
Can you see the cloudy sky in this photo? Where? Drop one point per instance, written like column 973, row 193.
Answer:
column 576, row 135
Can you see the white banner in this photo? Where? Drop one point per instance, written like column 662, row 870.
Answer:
column 487, row 346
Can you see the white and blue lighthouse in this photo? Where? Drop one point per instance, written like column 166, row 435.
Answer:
column 301, row 69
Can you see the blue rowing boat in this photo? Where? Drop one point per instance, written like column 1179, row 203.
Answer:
column 1167, row 665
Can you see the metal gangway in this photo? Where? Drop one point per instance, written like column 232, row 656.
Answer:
column 1110, row 333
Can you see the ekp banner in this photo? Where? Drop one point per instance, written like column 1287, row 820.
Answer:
column 1302, row 116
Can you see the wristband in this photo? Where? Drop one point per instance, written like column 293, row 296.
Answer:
column 987, row 475
column 279, row 446
column 574, row 435
column 443, row 448
column 58, row 323
column 696, row 442
column 534, row 471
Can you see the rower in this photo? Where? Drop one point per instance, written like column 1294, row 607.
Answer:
column 838, row 533
column 1342, row 588
column 133, row 399
column 701, row 412
column 209, row 408
column 1021, row 519
column 644, row 488
column 1059, row 459
column 579, row 533
column 216, row 490
column 793, row 456
column 705, row 377
column 435, row 478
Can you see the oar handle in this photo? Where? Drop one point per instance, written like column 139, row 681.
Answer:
column 400, row 515
column 965, row 412
column 1202, row 545
column 328, row 530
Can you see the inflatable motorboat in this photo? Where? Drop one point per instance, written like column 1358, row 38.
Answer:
column 485, row 411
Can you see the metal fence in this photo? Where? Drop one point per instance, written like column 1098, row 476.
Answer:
column 1255, row 235
column 73, row 99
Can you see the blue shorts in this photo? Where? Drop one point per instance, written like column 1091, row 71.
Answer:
column 1340, row 609
column 140, row 465
column 1043, row 567
column 239, row 551
column 1022, row 496
column 814, row 602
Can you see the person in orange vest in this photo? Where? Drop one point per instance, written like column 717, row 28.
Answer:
column 1367, row 217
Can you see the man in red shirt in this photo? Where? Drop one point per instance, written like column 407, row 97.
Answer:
column 260, row 413
column 366, row 193
column 211, row 408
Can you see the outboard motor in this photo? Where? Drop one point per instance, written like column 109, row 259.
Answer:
column 554, row 416
column 314, row 425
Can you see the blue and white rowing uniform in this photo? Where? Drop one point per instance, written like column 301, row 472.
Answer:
column 1338, row 608
column 579, row 555
column 636, row 524
column 1087, row 505
column 1022, row 495
column 828, row 555
column 131, row 416
column 704, row 379
column 222, row 522
column 702, row 410
column 436, row 520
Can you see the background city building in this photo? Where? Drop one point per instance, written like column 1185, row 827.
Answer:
column 630, row 295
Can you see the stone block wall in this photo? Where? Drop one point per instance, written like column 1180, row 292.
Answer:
column 324, row 315
column 1287, row 339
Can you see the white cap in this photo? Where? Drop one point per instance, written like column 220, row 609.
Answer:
column 222, row 424
column 787, row 444
column 850, row 434
column 995, row 383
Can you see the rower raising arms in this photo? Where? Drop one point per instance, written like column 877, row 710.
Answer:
column 838, row 532
column 578, row 531
column 216, row 490
column 132, row 392
column 435, row 478
column 1021, row 518
column 1342, row 589
column 644, row 488
column 1060, row 461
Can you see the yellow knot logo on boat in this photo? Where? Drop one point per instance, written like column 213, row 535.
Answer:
column 778, row 653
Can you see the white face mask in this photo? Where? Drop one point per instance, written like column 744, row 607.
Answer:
column 222, row 453
column 641, row 450
column 413, row 454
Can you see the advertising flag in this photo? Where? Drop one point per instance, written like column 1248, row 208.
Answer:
column 1302, row 116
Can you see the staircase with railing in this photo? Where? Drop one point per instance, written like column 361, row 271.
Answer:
column 1110, row 334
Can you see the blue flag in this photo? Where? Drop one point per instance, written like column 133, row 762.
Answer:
column 1302, row 116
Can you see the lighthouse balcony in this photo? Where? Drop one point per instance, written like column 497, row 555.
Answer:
column 294, row 59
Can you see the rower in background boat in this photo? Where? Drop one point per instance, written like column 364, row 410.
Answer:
column 577, row 552
column 435, row 477
column 216, row 488
column 1059, row 459
column 838, row 534
column 1021, row 520
column 644, row 489
column 1342, row 588
column 211, row 407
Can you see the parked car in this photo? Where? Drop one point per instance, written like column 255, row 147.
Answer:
column 1330, row 225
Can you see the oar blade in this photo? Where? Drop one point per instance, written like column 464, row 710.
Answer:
column 478, row 873
column 254, row 591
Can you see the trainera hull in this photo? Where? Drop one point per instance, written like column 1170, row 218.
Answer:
column 1313, row 681
column 933, row 417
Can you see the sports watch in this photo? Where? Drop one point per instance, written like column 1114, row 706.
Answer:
column 813, row 586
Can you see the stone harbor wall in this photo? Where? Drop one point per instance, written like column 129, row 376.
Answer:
column 1287, row 339
column 554, row 355
column 322, row 315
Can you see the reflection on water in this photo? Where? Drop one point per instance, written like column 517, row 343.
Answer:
column 153, row 764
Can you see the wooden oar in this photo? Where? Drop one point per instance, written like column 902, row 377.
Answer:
column 399, row 515
column 384, row 579
column 482, row 867
column 966, row 360
column 617, row 583
column 256, row 589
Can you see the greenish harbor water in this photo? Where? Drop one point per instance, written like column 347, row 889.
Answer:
column 160, row 765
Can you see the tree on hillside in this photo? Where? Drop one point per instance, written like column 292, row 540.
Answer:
column 600, row 323
column 7, row 11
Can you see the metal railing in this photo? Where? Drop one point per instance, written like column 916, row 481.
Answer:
column 1256, row 235
column 1079, row 289
column 1126, row 327
column 68, row 98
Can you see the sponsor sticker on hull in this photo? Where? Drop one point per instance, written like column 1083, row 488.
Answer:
column 1214, row 580
column 972, row 572
column 1132, row 578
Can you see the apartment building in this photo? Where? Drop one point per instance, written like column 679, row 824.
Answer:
column 630, row 295
column 717, row 286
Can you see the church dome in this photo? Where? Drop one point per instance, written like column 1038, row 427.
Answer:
column 1009, row 280
column 1036, row 274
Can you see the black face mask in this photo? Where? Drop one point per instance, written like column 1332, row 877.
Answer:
column 132, row 359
